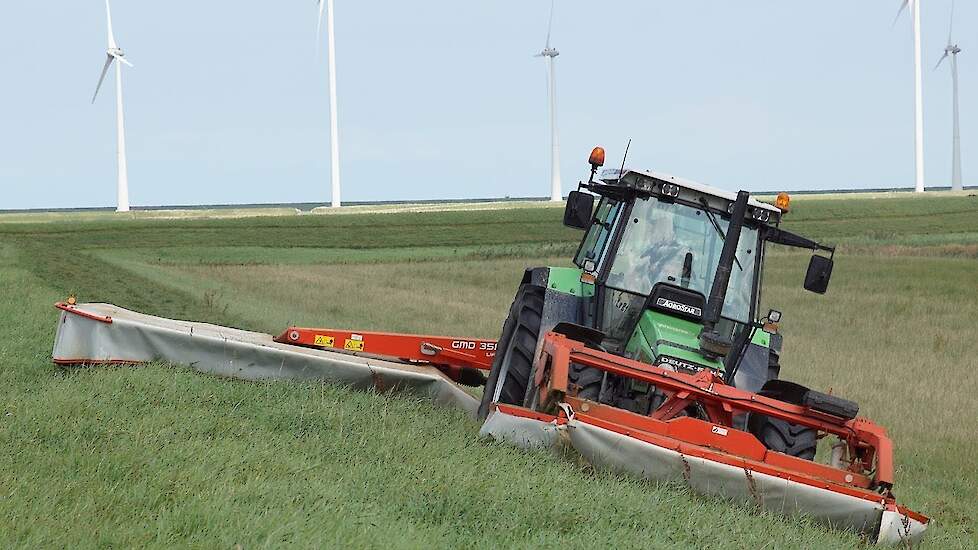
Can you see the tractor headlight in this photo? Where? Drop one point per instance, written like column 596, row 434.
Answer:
column 669, row 190
column 643, row 183
column 762, row 215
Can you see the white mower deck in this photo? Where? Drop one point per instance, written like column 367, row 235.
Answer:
column 106, row 334
column 608, row 449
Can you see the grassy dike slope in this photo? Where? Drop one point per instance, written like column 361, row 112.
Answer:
column 160, row 456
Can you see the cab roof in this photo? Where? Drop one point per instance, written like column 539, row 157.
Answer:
column 633, row 178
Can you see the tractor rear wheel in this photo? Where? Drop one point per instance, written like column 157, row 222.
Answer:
column 510, row 372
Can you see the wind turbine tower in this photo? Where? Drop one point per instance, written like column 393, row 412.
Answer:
column 918, row 94
column 952, row 50
column 549, row 54
column 114, row 53
column 334, row 140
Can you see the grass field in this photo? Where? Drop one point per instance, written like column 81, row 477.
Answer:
column 160, row 456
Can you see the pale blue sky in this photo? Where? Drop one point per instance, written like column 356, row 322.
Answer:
column 444, row 99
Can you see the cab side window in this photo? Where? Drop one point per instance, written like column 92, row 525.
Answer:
column 597, row 237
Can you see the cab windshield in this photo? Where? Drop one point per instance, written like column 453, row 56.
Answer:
column 679, row 245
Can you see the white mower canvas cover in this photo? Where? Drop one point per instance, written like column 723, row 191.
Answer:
column 607, row 449
column 85, row 337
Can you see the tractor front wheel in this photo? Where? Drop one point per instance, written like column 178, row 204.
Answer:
column 511, row 367
column 784, row 437
column 778, row 435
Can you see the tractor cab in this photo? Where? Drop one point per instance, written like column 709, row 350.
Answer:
column 676, row 269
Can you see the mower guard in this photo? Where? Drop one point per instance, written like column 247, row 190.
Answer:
column 91, row 334
column 706, row 451
column 886, row 522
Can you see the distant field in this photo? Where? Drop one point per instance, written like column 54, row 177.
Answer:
column 224, row 212
column 177, row 213
column 157, row 456
column 163, row 214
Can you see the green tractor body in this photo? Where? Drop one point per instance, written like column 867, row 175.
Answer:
column 656, row 334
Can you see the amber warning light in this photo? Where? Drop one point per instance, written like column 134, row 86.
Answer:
column 597, row 157
column 782, row 201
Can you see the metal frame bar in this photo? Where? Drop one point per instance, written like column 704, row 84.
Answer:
column 868, row 445
column 450, row 355
column 70, row 308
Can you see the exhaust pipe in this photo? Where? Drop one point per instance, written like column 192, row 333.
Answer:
column 712, row 343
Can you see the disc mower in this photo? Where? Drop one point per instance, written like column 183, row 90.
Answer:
column 651, row 356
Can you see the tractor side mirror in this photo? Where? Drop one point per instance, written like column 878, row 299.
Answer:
column 577, row 213
column 818, row 275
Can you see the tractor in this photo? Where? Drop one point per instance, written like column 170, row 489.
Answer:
column 668, row 273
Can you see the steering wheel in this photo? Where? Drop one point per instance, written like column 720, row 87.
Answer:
column 660, row 252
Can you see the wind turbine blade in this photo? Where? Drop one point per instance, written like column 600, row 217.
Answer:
column 105, row 69
column 903, row 6
column 121, row 59
column 950, row 25
column 550, row 24
column 319, row 27
column 941, row 60
column 108, row 16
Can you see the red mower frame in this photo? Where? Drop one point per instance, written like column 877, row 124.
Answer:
column 455, row 357
column 866, row 474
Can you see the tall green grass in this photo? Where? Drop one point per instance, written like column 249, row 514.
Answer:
column 160, row 456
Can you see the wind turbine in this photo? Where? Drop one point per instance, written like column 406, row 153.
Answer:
column 952, row 50
column 918, row 94
column 334, row 140
column 114, row 53
column 549, row 53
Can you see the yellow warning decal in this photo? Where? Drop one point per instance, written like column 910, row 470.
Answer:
column 353, row 345
column 323, row 340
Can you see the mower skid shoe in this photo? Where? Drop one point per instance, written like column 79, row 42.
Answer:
column 885, row 523
column 897, row 527
column 525, row 433
column 93, row 334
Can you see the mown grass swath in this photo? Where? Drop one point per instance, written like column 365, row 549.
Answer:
column 161, row 456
